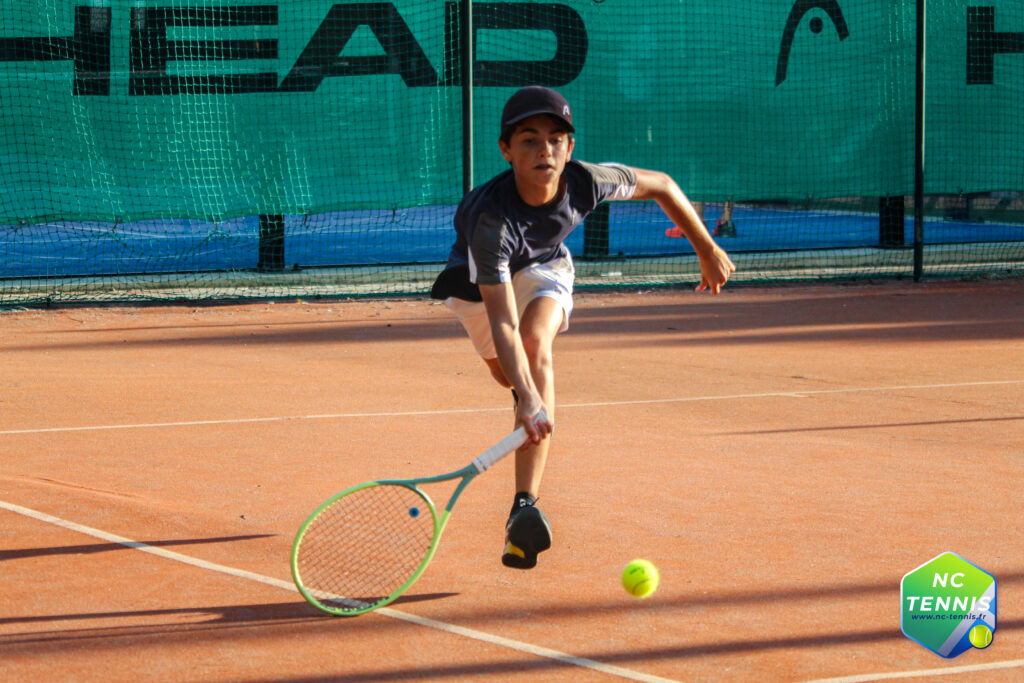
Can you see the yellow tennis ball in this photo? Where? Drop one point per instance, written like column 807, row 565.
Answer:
column 980, row 636
column 640, row 578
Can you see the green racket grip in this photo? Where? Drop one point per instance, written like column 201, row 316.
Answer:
column 485, row 460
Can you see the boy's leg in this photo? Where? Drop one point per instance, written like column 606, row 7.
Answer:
column 528, row 531
column 540, row 324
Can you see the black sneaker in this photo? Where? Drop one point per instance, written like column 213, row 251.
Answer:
column 526, row 534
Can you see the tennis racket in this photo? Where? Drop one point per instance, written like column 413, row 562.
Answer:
column 367, row 545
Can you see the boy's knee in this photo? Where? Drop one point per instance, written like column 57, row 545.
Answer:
column 541, row 324
column 533, row 343
column 538, row 349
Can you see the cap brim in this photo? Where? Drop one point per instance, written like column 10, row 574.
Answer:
column 522, row 117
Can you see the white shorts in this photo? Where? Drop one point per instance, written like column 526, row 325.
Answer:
column 553, row 279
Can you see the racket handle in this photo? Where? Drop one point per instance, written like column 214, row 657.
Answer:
column 485, row 460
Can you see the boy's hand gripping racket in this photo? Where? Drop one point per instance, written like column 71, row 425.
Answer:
column 365, row 546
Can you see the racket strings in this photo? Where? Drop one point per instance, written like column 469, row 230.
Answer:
column 365, row 546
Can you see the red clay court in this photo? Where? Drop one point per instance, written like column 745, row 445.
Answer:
column 784, row 455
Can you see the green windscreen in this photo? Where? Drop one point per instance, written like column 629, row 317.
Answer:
column 240, row 149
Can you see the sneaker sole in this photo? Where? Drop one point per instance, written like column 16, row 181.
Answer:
column 516, row 558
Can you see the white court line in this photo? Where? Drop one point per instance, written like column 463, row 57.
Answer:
column 455, row 411
column 508, row 643
column 947, row 671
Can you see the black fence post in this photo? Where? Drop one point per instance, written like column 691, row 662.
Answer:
column 919, row 138
column 890, row 222
column 271, row 249
column 466, row 48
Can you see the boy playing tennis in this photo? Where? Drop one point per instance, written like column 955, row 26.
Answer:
column 509, row 276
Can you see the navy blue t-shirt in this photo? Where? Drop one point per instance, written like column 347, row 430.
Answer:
column 498, row 234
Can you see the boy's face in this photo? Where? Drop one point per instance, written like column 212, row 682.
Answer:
column 538, row 150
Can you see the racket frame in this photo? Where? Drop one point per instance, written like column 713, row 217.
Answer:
column 479, row 465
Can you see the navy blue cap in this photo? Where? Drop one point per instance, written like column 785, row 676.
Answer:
column 533, row 100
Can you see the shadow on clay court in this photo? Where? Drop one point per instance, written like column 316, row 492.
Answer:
column 225, row 615
column 293, row 626
column 91, row 548
column 525, row 664
column 297, row 618
column 711, row 600
column 928, row 313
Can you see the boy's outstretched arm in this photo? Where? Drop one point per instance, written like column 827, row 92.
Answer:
column 715, row 264
column 500, row 303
